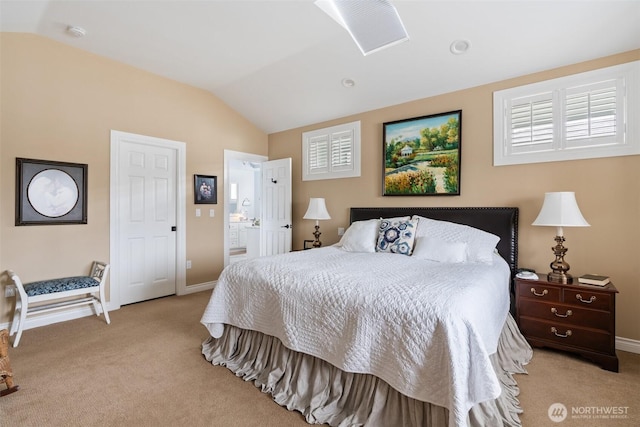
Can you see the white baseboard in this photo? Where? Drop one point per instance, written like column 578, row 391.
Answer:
column 207, row 286
column 626, row 344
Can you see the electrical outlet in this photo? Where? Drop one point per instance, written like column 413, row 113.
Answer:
column 10, row 291
column 188, row 264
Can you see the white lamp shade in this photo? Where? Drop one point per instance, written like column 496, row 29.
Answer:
column 317, row 209
column 560, row 209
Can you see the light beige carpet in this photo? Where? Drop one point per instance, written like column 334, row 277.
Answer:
column 146, row 369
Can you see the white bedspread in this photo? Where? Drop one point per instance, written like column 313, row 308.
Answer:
column 426, row 328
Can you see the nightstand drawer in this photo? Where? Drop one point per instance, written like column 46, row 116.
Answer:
column 567, row 335
column 584, row 297
column 538, row 291
column 565, row 314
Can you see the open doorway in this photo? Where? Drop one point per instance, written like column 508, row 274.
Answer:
column 242, row 204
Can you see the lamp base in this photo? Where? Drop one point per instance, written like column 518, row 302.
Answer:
column 559, row 266
column 317, row 243
column 560, row 277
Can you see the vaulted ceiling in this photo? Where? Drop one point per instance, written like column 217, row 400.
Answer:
column 281, row 63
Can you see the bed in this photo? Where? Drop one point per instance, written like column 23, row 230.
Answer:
column 410, row 329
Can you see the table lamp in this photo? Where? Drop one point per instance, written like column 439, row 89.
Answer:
column 560, row 210
column 317, row 210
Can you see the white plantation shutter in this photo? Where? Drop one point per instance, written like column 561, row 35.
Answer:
column 591, row 114
column 531, row 123
column 318, row 157
column 331, row 153
column 342, row 151
column 575, row 117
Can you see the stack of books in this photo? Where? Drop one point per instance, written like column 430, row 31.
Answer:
column 593, row 279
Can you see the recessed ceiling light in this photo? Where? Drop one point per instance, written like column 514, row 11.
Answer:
column 348, row 83
column 459, row 47
column 77, row 32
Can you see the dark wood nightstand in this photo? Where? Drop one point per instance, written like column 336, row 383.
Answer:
column 577, row 318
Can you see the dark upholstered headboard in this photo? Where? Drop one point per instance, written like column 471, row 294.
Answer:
column 503, row 222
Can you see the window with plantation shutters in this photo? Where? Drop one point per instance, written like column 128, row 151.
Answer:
column 581, row 116
column 341, row 151
column 591, row 114
column 318, row 154
column 331, row 153
column 531, row 123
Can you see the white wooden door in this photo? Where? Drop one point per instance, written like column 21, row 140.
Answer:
column 275, row 225
column 147, row 221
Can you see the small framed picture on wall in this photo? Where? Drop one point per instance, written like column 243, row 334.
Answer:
column 205, row 189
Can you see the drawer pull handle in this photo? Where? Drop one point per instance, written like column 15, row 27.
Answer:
column 592, row 299
column 555, row 332
column 555, row 311
column 533, row 291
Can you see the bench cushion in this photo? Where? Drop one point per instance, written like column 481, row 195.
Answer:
column 59, row 285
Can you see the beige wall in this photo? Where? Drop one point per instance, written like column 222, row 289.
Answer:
column 60, row 103
column 607, row 190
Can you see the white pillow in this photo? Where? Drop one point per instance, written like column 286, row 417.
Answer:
column 440, row 250
column 361, row 236
column 480, row 244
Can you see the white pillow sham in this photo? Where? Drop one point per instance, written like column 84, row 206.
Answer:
column 440, row 250
column 361, row 236
column 480, row 244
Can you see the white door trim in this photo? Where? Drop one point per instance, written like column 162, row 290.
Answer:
column 117, row 138
column 230, row 155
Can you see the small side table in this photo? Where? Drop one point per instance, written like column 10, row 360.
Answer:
column 576, row 318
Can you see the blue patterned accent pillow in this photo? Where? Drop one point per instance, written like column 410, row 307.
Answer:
column 396, row 235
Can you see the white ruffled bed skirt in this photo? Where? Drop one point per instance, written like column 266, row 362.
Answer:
column 325, row 394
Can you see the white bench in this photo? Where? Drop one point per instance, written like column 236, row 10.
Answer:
column 55, row 294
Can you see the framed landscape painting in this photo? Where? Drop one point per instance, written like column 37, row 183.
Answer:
column 422, row 155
